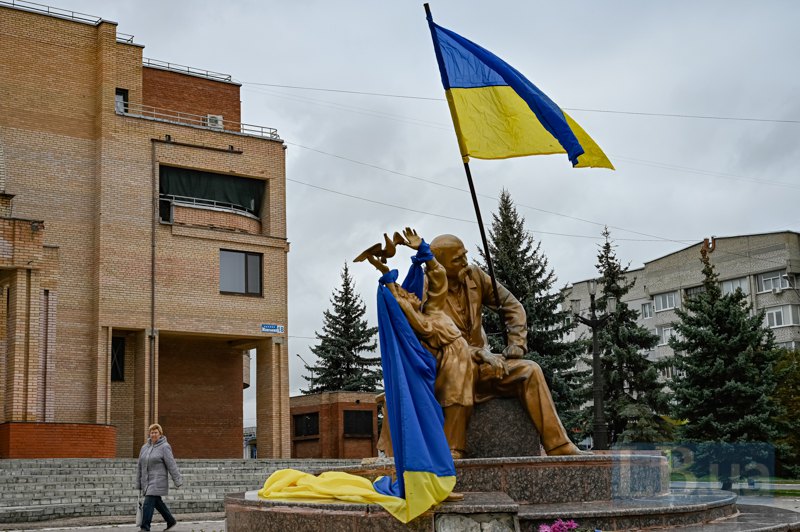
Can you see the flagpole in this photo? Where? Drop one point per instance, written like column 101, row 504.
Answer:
column 486, row 253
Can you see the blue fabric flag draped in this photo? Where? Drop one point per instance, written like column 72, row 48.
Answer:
column 415, row 417
column 415, row 278
column 425, row 474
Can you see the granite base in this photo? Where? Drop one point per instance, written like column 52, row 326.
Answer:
column 507, row 418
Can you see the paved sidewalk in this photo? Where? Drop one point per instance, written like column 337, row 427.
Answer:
column 214, row 522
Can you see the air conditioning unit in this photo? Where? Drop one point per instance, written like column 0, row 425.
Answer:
column 214, row 121
column 777, row 290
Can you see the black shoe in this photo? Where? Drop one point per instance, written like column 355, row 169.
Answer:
column 171, row 526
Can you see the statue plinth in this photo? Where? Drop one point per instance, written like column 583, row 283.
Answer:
column 501, row 427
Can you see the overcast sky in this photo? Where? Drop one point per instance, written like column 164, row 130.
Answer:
column 609, row 64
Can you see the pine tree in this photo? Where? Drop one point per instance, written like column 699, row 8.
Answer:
column 787, row 395
column 725, row 359
column 522, row 268
column 345, row 336
column 633, row 396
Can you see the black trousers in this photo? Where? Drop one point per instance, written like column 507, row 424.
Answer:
column 150, row 503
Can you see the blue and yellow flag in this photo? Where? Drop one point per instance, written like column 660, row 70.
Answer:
column 498, row 113
column 425, row 473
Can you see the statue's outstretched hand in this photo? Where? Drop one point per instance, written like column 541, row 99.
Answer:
column 412, row 238
column 513, row 351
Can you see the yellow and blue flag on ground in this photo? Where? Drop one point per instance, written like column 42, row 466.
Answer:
column 498, row 113
column 425, row 473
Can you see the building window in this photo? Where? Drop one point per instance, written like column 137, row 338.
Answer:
column 647, row 310
column 306, row 424
column 695, row 290
column 358, row 423
column 783, row 315
column 786, row 345
column 771, row 281
column 121, row 101
column 665, row 301
column 240, row 272
column 664, row 333
column 117, row 359
column 730, row 286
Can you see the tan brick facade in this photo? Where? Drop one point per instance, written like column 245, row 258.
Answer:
column 84, row 258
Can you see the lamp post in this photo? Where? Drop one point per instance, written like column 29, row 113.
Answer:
column 310, row 368
column 600, row 431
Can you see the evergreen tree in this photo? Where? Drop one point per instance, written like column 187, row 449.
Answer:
column 346, row 335
column 633, row 395
column 522, row 268
column 725, row 359
column 787, row 395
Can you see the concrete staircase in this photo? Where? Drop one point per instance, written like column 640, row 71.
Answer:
column 39, row 490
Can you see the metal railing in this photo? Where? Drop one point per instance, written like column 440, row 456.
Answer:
column 155, row 63
column 52, row 11
column 125, row 38
column 187, row 201
column 66, row 14
column 212, row 122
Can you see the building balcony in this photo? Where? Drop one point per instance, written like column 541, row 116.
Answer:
column 210, row 122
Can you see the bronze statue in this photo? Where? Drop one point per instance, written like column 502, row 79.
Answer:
column 449, row 325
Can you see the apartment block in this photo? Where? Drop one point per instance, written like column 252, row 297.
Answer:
column 766, row 267
column 142, row 249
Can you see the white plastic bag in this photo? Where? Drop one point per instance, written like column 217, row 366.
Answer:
column 138, row 510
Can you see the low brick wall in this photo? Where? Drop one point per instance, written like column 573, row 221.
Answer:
column 57, row 440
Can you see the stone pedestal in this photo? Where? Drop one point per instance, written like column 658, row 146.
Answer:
column 501, row 427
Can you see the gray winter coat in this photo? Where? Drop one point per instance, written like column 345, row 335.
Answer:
column 155, row 459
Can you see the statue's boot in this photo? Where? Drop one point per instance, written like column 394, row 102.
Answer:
column 567, row 449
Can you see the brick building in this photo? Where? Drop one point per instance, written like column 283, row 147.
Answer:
column 334, row 425
column 766, row 267
column 143, row 250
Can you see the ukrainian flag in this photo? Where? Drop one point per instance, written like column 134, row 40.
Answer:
column 425, row 473
column 498, row 113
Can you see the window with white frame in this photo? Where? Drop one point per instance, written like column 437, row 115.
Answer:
column 665, row 301
column 786, row 345
column 664, row 333
column 647, row 310
column 730, row 286
column 783, row 315
column 772, row 280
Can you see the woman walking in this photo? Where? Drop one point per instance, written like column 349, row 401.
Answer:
column 155, row 460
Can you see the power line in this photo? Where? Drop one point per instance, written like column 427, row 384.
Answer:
column 404, row 96
column 369, row 165
column 579, row 109
column 653, row 238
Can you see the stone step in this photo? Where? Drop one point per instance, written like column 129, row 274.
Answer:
column 36, row 490
column 12, row 499
column 678, row 508
column 118, row 479
column 25, row 514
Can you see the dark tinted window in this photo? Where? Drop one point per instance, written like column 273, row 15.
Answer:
column 358, row 422
column 306, row 424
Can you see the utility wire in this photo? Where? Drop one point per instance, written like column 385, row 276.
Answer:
column 429, row 181
column 653, row 238
column 580, row 109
